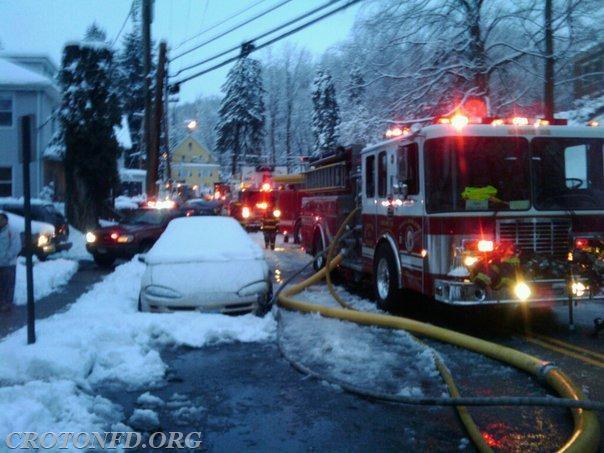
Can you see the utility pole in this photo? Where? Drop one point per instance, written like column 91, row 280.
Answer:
column 548, row 89
column 152, row 168
column 146, row 35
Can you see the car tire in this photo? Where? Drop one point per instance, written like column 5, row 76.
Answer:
column 103, row 260
column 266, row 304
column 41, row 256
column 145, row 247
column 318, row 247
column 385, row 288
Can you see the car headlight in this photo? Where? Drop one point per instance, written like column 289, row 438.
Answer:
column 43, row 239
column 90, row 237
column 162, row 291
column 253, row 288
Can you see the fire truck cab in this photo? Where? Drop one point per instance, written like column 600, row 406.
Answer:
column 468, row 211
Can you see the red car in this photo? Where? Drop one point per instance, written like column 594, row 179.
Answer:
column 136, row 233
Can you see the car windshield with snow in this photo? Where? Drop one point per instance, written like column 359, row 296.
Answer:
column 206, row 263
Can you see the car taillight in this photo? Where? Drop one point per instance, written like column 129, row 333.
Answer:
column 581, row 243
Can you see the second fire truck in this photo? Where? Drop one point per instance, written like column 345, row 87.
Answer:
column 469, row 211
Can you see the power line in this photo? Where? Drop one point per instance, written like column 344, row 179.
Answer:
column 263, row 13
column 124, row 24
column 212, row 27
column 287, row 24
column 268, row 43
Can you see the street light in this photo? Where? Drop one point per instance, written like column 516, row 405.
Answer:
column 191, row 125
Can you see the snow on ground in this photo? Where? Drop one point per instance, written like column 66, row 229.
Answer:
column 102, row 338
column 48, row 277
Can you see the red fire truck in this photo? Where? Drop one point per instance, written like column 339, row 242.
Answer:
column 256, row 196
column 289, row 191
column 469, row 211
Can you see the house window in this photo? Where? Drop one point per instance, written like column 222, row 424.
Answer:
column 6, row 181
column 6, row 110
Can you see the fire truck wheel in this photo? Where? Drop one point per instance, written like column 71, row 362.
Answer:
column 319, row 261
column 384, row 279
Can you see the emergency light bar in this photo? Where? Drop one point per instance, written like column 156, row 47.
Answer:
column 460, row 121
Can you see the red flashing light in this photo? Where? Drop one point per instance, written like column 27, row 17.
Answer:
column 114, row 236
column 266, row 187
column 581, row 243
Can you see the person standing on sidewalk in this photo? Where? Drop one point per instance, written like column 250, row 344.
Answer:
column 8, row 265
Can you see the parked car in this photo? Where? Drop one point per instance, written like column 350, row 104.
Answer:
column 45, row 240
column 199, row 206
column 135, row 233
column 206, row 263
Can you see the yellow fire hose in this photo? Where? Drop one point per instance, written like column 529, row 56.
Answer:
column 586, row 433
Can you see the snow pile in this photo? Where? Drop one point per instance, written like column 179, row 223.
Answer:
column 101, row 338
column 49, row 277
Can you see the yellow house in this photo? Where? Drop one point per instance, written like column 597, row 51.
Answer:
column 194, row 166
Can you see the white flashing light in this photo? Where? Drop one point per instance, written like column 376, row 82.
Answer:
column 578, row 289
column 245, row 212
column 90, row 237
column 459, row 121
column 277, row 213
column 485, row 246
column 522, row 291
column 520, row 121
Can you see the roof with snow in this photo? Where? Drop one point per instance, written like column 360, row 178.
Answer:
column 15, row 75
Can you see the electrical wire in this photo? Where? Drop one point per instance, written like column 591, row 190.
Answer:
column 235, row 27
column 268, row 43
column 212, row 27
column 123, row 24
column 303, row 16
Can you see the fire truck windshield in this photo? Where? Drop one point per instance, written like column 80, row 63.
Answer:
column 494, row 173
column 477, row 174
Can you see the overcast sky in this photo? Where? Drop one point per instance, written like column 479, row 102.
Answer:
column 44, row 26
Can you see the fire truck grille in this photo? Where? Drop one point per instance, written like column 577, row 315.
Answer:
column 542, row 236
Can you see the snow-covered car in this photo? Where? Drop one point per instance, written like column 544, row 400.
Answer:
column 42, row 213
column 205, row 263
column 42, row 235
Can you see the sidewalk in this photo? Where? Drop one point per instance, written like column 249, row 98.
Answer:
column 86, row 276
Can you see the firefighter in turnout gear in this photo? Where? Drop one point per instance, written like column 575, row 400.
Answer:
column 269, row 226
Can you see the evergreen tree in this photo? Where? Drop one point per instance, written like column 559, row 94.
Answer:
column 131, row 84
column 240, row 129
column 89, row 112
column 325, row 117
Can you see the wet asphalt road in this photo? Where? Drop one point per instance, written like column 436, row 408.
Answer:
column 247, row 397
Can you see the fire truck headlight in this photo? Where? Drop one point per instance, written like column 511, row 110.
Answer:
column 522, row 291
column 277, row 213
column 578, row 289
column 245, row 212
column 90, row 237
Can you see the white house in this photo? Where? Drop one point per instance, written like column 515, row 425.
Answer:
column 28, row 86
